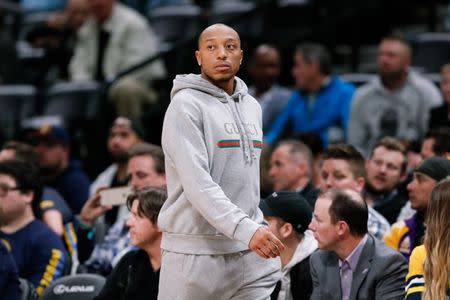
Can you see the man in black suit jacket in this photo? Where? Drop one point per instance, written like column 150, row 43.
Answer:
column 291, row 169
column 351, row 264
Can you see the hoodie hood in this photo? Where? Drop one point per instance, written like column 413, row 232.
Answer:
column 196, row 82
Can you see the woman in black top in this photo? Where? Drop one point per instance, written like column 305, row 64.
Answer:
column 136, row 276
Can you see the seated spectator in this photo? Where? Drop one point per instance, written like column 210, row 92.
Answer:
column 38, row 252
column 57, row 37
column 439, row 116
column 321, row 101
column 51, row 208
column 429, row 266
column 343, row 167
column 351, row 264
column 436, row 143
column 264, row 70
column 408, row 234
column 289, row 215
column 145, row 168
column 9, row 277
column 112, row 40
column 396, row 103
column 123, row 135
column 386, row 170
column 58, row 170
column 136, row 275
column 291, row 169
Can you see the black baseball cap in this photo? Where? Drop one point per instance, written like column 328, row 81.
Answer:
column 435, row 167
column 291, row 207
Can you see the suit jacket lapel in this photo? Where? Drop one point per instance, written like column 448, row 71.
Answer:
column 333, row 277
column 363, row 267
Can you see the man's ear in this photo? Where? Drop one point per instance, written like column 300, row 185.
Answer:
column 342, row 227
column 360, row 184
column 28, row 196
column 286, row 230
column 197, row 56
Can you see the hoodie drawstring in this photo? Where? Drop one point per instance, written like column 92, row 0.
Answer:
column 247, row 143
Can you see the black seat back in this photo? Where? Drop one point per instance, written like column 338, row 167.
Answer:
column 16, row 103
column 74, row 287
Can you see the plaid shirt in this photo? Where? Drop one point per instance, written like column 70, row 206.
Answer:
column 116, row 242
column 377, row 224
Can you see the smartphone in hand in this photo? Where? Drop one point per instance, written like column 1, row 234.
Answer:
column 114, row 196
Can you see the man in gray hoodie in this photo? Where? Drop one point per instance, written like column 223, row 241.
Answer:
column 214, row 242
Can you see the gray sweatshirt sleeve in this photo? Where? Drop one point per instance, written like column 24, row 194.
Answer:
column 357, row 135
column 185, row 147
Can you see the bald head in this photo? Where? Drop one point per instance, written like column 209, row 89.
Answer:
column 217, row 29
column 264, row 49
column 219, row 55
column 264, row 68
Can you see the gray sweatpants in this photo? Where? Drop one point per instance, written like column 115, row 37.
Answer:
column 242, row 275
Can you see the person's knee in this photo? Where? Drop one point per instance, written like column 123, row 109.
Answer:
column 122, row 88
column 130, row 96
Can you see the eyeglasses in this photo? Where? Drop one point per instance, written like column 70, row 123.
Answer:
column 4, row 189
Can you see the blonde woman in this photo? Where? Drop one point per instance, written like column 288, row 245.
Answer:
column 429, row 265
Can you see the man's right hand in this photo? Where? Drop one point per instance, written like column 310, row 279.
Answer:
column 92, row 209
column 265, row 243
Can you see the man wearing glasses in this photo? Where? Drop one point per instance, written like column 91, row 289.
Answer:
column 38, row 252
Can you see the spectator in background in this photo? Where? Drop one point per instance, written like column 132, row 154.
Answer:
column 38, row 252
column 429, row 266
column 291, row 169
column 436, row 143
column 385, row 171
column 407, row 234
column 123, row 135
column 51, row 208
column 321, row 101
column 73, row 17
column 58, row 170
column 145, row 168
column 264, row 69
column 343, row 167
column 351, row 264
column 396, row 103
column 9, row 276
column 114, row 39
column 136, row 275
column 57, row 37
column 440, row 116
column 289, row 215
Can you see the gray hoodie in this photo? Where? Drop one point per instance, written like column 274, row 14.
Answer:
column 212, row 143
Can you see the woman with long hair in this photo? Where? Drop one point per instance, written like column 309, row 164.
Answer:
column 429, row 266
